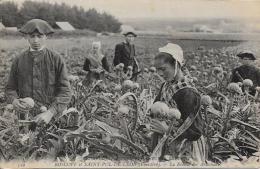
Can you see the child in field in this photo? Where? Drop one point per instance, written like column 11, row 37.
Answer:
column 39, row 73
column 179, row 92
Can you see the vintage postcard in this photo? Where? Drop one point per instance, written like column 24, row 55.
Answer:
column 129, row 83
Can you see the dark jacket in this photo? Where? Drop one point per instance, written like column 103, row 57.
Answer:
column 188, row 102
column 246, row 72
column 87, row 63
column 42, row 76
column 125, row 53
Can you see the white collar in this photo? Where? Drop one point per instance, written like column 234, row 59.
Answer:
column 32, row 50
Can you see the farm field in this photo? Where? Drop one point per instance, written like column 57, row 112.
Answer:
column 74, row 50
column 232, row 117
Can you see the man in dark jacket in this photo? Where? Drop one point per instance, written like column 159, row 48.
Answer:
column 125, row 52
column 38, row 73
column 247, row 70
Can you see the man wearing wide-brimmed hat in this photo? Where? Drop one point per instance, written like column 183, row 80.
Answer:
column 247, row 70
column 40, row 74
column 125, row 52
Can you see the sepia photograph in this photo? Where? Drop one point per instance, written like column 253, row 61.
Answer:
column 129, row 84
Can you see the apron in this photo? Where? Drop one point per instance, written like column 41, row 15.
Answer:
column 95, row 62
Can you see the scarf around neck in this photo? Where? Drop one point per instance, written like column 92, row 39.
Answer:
column 169, row 89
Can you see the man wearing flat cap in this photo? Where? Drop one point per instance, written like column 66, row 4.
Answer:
column 247, row 70
column 40, row 74
column 125, row 52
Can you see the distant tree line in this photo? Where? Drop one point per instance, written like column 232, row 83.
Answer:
column 13, row 16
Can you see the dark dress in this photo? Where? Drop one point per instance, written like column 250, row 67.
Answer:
column 125, row 53
column 95, row 69
column 247, row 72
column 87, row 64
column 185, row 97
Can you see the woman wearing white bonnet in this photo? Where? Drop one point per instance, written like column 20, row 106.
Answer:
column 95, row 59
column 179, row 92
column 95, row 64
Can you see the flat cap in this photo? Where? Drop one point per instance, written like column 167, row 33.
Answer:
column 130, row 33
column 36, row 25
column 246, row 55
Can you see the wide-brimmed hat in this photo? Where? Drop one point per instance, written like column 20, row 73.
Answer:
column 246, row 55
column 130, row 33
column 37, row 25
column 175, row 51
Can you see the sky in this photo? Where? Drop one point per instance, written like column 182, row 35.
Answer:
column 170, row 8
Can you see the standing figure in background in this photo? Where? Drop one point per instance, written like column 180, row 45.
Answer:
column 39, row 73
column 247, row 70
column 125, row 53
column 95, row 59
column 95, row 64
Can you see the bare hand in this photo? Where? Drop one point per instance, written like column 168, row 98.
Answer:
column 44, row 117
column 19, row 105
column 159, row 126
column 97, row 70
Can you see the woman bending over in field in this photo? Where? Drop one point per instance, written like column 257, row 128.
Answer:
column 179, row 92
